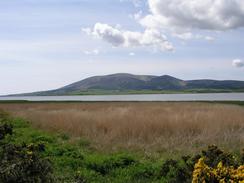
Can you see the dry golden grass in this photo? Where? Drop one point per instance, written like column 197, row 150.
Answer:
column 147, row 126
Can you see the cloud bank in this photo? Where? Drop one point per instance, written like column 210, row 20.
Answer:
column 178, row 18
column 118, row 37
column 180, row 15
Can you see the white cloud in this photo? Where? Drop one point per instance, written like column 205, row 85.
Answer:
column 92, row 52
column 107, row 33
column 132, row 54
column 118, row 37
column 182, row 15
column 238, row 63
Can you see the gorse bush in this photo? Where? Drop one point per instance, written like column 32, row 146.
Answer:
column 213, row 155
column 221, row 173
column 22, row 163
column 217, row 166
column 210, row 166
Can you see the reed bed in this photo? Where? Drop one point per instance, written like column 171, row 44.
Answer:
column 145, row 126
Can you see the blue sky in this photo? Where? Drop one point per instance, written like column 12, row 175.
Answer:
column 42, row 45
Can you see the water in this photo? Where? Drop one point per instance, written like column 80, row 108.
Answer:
column 147, row 97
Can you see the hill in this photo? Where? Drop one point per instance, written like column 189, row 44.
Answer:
column 123, row 83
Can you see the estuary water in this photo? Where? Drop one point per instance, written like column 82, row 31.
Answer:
column 138, row 98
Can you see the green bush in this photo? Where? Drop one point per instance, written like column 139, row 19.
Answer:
column 144, row 171
column 21, row 163
column 213, row 155
column 173, row 171
column 5, row 129
column 36, row 138
column 104, row 166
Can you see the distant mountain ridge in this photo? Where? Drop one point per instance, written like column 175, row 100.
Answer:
column 128, row 82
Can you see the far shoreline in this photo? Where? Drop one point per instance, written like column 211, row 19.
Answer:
column 127, row 92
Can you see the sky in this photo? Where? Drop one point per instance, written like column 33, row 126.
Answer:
column 51, row 43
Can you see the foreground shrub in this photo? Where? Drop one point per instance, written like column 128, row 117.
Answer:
column 174, row 172
column 221, row 173
column 5, row 129
column 210, row 166
column 216, row 166
column 213, row 155
column 21, row 163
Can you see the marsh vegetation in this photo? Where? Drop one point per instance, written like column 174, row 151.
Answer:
column 147, row 127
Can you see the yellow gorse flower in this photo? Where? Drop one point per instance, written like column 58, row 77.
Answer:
column 203, row 173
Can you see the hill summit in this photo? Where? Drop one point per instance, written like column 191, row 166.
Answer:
column 123, row 82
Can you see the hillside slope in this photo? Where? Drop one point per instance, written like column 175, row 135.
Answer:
column 123, row 82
